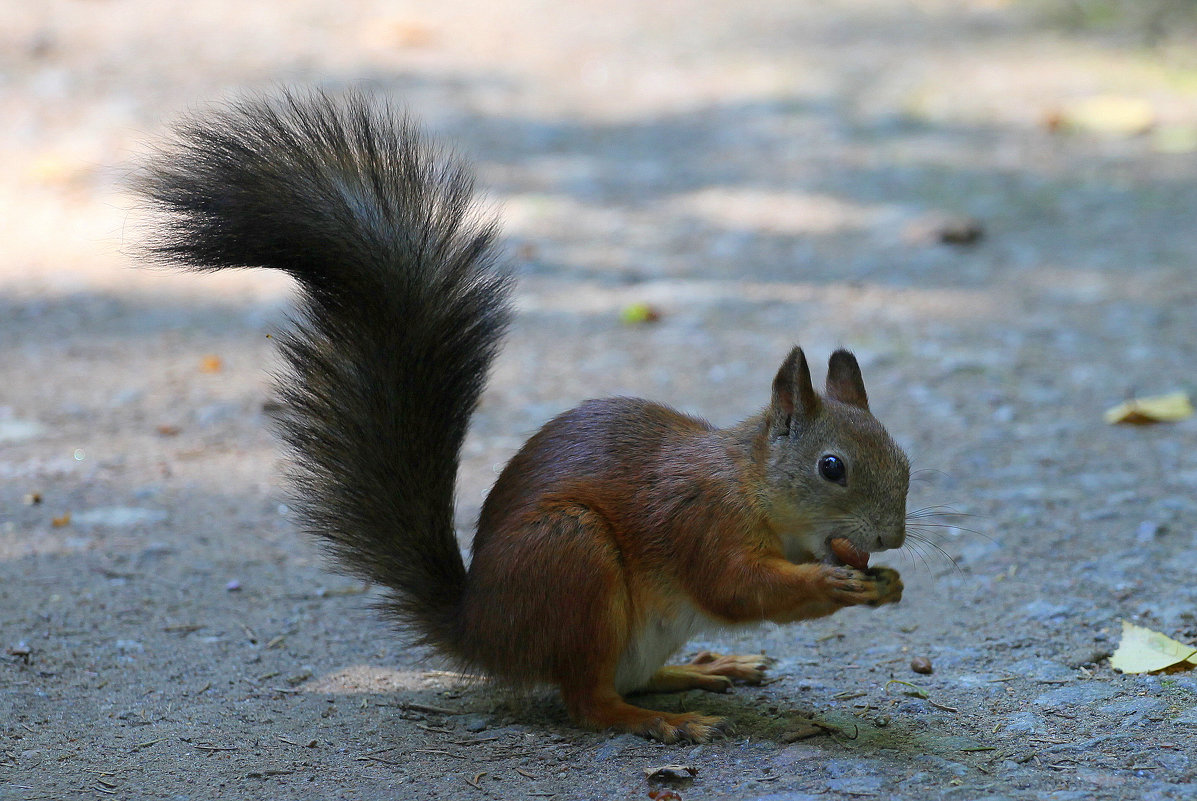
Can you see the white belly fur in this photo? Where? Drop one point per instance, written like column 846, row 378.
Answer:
column 660, row 639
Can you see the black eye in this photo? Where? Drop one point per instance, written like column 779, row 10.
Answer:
column 831, row 467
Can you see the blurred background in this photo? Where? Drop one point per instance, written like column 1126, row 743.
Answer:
column 888, row 174
column 991, row 201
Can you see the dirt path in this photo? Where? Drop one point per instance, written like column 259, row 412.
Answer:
column 762, row 173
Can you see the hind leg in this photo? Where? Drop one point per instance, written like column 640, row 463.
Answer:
column 585, row 626
column 598, row 707
column 711, row 672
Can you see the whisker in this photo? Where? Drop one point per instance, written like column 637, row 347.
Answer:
column 939, row 510
column 942, row 552
column 980, row 534
column 942, row 516
column 922, row 557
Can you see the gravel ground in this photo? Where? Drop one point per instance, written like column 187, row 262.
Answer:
column 761, row 173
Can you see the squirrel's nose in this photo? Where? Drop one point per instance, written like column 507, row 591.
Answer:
column 892, row 538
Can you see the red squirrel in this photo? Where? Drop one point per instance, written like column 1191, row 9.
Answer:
column 619, row 531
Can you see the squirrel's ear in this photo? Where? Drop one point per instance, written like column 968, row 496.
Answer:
column 844, row 382
column 794, row 395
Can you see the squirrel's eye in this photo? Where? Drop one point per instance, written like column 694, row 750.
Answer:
column 831, row 467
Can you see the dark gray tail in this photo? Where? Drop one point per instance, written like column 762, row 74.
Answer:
column 404, row 306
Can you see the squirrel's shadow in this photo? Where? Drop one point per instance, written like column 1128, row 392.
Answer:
column 771, row 721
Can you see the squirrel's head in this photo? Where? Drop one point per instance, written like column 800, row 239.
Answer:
column 832, row 471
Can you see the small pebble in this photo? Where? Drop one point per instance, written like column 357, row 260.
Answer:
column 921, row 664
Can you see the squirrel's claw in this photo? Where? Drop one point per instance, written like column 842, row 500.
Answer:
column 875, row 586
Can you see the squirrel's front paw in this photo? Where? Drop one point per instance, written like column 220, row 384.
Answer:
column 874, row 586
column 889, row 585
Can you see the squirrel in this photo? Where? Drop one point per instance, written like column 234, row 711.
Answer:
column 621, row 529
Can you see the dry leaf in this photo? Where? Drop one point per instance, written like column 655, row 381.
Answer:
column 636, row 313
column 1113, row 115
column 671, row 773
column 803, row 731
column 62, row 520
column 1157, row 409
column 211, row 364
column 1145, row 651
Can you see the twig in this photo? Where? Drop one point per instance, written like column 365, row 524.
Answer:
column 919, row 692
column 437, row 751
column 368, row 758
column 432, row 710
column 834, row 730
column 474, row 781
column 381, row 750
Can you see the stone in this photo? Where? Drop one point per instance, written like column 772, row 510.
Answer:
column 118, row 517
column 475, row 723
column 1081, row 694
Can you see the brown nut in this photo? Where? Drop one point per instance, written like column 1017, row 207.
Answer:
column 921, row 664
column 848, row 553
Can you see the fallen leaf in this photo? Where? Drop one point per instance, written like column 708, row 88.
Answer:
column 671, row 773
column 943, row 229
column 1112, row 115
column 1157, row 409
column 803, row 731
column 637, row 313
column 211, row 364
column 389, row 34
column 62, row 520
column 59, row 169
column 961, row 231
column 1145, row 651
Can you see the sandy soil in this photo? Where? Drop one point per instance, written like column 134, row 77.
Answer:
column 763, row 173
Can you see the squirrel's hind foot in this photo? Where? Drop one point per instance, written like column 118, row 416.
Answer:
column 711, row 672
column 748, row 668
column 616, row 713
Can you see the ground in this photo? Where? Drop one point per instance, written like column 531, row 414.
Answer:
column 759, row 173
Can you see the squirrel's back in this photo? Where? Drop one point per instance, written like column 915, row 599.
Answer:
column 403, row 307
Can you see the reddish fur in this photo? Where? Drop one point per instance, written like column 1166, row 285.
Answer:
column 614, row 512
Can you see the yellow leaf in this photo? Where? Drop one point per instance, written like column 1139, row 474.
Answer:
column 1112, row 115
column 1157, row 409
column 637, row 313
column 1144, row 651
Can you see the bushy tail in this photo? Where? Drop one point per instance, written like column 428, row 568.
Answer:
column 404, row 306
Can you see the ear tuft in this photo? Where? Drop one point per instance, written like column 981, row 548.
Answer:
column 794, row 395
column 844, row 381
